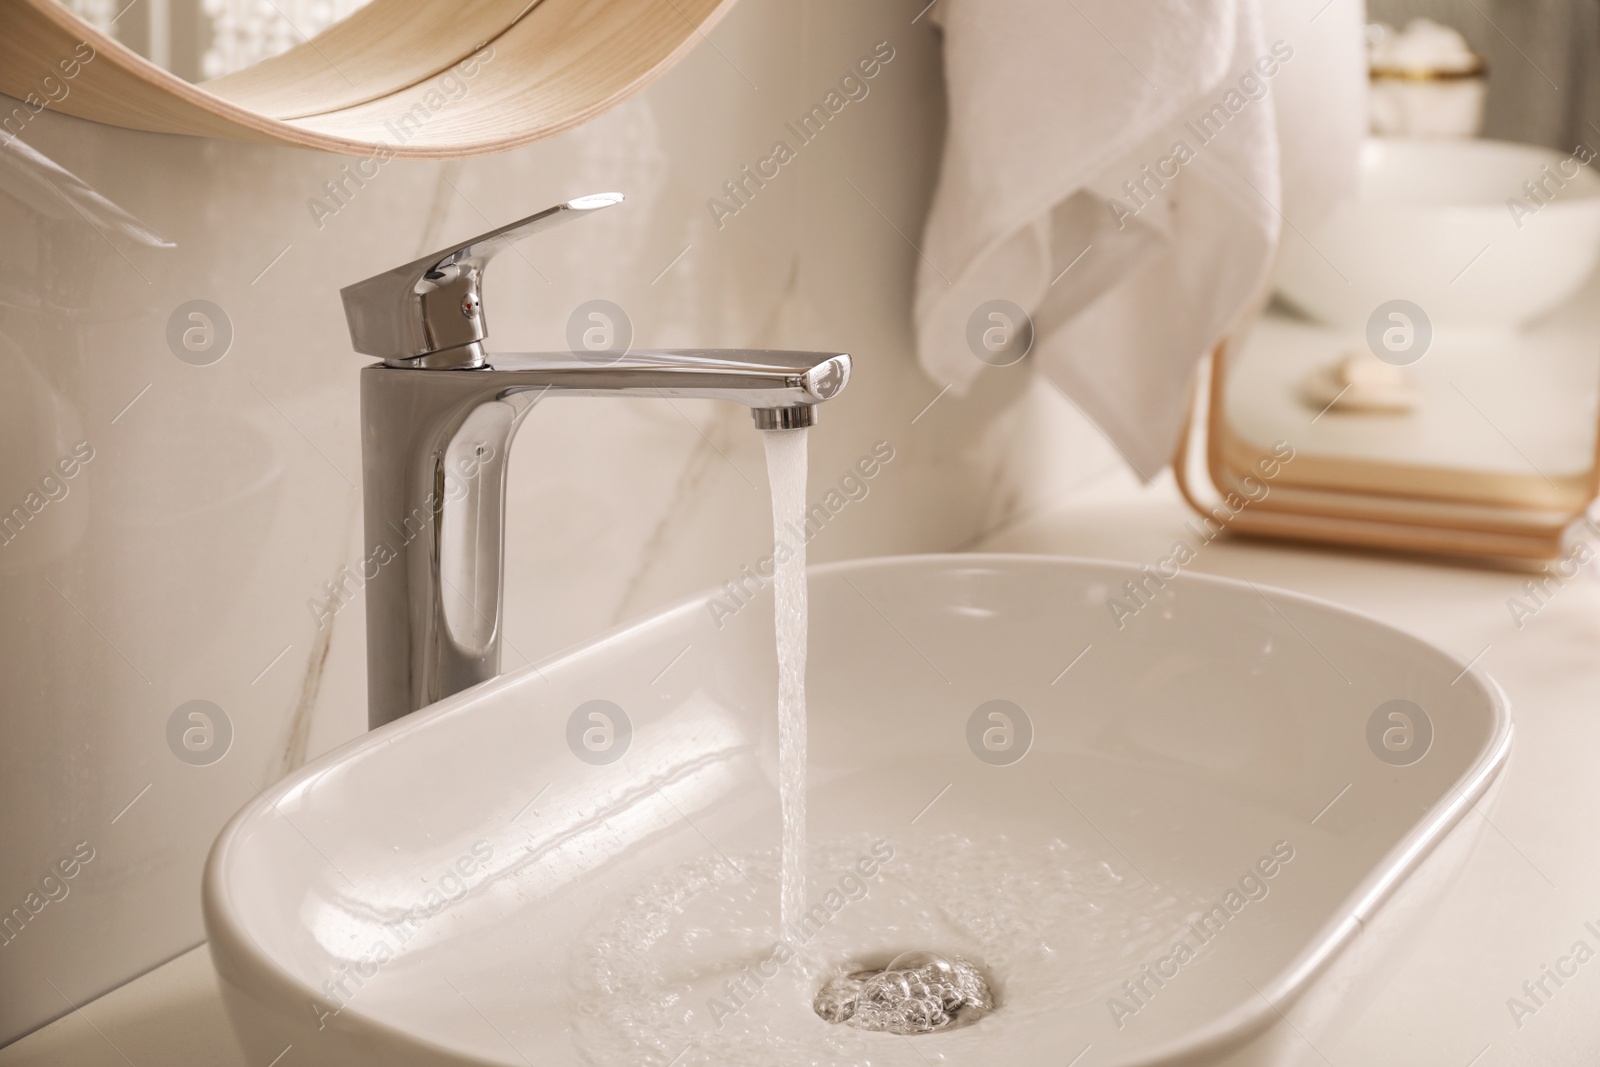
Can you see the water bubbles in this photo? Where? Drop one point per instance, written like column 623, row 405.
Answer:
column 917, row 993
column 1048, row 921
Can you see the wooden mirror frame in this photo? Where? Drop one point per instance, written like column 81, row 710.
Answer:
column 400, row 78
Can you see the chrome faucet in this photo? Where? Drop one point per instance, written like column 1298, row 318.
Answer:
column 437, row 419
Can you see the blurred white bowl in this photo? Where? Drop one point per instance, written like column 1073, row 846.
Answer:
column 1431, row 223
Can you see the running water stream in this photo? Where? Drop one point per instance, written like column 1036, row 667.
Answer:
column 786, row 470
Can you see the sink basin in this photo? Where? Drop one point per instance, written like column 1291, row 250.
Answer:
column 1012, row 759
column 1446, row 224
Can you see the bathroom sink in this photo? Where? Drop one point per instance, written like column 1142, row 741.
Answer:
column 1448, row 225
column 1016, row 760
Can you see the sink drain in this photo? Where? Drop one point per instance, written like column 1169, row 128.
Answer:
column 917, row 993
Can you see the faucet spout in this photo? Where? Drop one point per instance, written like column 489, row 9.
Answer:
column 756, row 378
column 434, row 448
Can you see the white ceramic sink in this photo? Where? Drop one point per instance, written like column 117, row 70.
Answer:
column 1447, row 224
column 466, row 890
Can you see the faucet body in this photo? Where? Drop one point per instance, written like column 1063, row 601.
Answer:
column 437, row 419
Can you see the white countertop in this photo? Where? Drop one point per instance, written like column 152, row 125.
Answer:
column 1521, row 902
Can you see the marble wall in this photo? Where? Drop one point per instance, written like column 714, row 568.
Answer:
column 215, row 487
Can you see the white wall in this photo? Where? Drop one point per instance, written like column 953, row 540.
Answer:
column 179, row 564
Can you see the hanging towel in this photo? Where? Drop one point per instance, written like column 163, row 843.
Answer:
column 1120, row 170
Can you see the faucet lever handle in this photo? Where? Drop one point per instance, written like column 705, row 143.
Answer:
column 429, row 313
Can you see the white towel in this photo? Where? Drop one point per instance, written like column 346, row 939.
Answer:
column 1057, row 107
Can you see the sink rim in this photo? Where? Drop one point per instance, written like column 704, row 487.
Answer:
column 1227, row 1030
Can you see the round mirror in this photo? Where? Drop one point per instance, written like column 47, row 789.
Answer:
column 395, row 78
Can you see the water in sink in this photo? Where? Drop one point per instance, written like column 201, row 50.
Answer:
column 786, row 470
column 688, row 968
